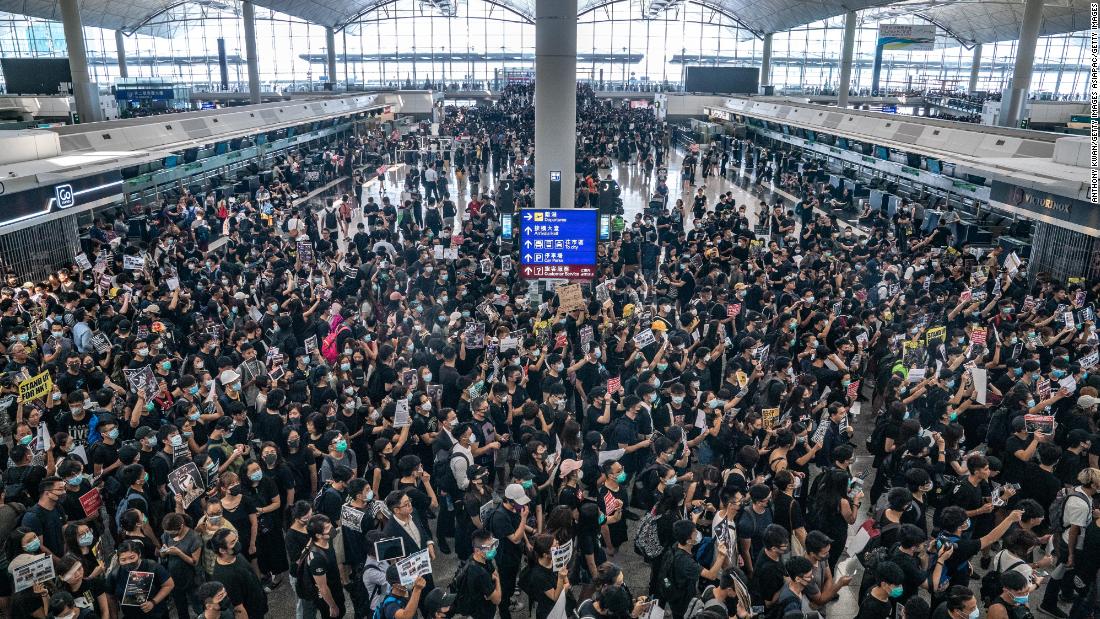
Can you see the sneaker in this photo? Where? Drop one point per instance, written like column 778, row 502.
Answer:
column 1053, row 611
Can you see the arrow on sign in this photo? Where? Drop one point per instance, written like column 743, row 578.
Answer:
column 527, row 216
column 527, row 257
column 527, row 243
column 527, row 230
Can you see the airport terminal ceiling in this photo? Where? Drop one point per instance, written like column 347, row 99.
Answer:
column 969, row 21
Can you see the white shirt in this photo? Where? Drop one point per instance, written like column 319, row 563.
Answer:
column 1078, row 512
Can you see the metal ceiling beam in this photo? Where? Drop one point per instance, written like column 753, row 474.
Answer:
column 707, row 4
column 507, row 6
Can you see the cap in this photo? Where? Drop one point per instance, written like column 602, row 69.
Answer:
column 1087, row 401
column 521, row 471
column 476, row 470
column 240, row 296
column 228, row 376
column 438, row 601
column 740, row 286
column 152, row 309
column 569, row 466
column 396, row 296
column 144, row 432
column 659, row 325
column 515, row 493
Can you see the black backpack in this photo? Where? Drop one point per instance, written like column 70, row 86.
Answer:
column 443, row 472
column 991, row 582
column 304, row 587
column 15, row 490
column 463, row 605
column 876, row 442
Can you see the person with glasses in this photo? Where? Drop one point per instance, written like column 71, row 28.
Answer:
column 769, row 571
column 46, row 517
column 479, row 590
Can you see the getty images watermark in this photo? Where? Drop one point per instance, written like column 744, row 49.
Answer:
column 1094, row 102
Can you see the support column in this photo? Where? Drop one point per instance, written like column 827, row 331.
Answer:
column 555, row 99
column 1025, row 62
column 85, row 92
column 120, row 49
column 249, row 14
column 223, row 64
column 330, row 46
column 846, row 55
column 975, row 66
column 766, row 62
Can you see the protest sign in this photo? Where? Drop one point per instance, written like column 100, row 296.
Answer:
column 414, row 566
column 139, row 589
column 29, row 570
column 1089, row 361
column 935, row 335
column 561, row 555
column 351, row 518
column 486, row 266
column 733, row 310
column 506, row 264
column 853, row 390
column 614, row 384
column 644, row 338
column 981, row 384
column 101, row 343
column 36, row 386
column 1043, row 424
column 474, row 335
column 81, row 261
column 310, row 344
column 1042, row 387
column 133, row 263
column 305, row 252
column 90, row 502
column 141, row 378
column 571, row 297
column 770, row 416
column 401, row 413
column 186, row 482
column 586, row 334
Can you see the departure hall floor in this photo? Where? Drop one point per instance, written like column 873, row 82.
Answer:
column 635, row 196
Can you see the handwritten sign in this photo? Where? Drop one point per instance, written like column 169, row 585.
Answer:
column 29, row 570
column 978, row 335
column 90, row 502
column 571, row 297
column 770, row 416
column 561, row 555
column 935, row 335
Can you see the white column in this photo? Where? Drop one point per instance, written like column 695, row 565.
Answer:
column 330, row 43
column 249, row 15
column 85, row 92
column 1025, row 62
column 555, row 98
column 766, row 61
column 846, row 55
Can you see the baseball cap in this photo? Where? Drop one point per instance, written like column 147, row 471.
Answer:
column 438, row 601
column 228, row 376
column 1087, row 401
column 515, row 493
column 144, row 432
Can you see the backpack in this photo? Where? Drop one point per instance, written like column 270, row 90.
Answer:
column 876, row 442
column 702, row 601
column 999, row 429
column 1058, row 510
column 991, row 582
column 446, row 475
column 330, row 218
column 304, row 586
column 390, row 599
column 321, row 495
column 647, row 543
column 669, row 589
column 874, row 550
column 124, row 505
column 15, row 490
column 328, row 347
column 462, row 605
column 760, row 400
column 704, row 552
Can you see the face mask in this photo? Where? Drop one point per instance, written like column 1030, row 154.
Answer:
column 715, row 403
column 966, row 525
column 113, row 433
column 603, row 519
column 214, row 520
column 677, row 399
column 1031, row 403
column 166, row 365
column 32, row 546
column 176, row 440
column 953, row 416
column 143, row 351
column 57, row 334
column 950, row 384
column 1020, row 599
column 257, row 476
column 1018, row 372
column 1059, row 373
column 490, row 554
column 652, row 398
column 671, row 481
column 149, row 407
column 426, row 406
column 845, row 383
column 86, row 539
column 341, row 445
column 527, row 484
column 974, row 614
column 1035, row 375
column 74, row 480
column 193, row 390
column 896, row 592
column 698, row 537
column 345, row 367
column 621, row 477
column 23, row 337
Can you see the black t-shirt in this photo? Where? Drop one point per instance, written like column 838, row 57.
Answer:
column 322, row 562
column 503, row 523
column 541, row 580
column 767, row 579
column 241, row 585
column 874, row 608
column 1014, row 468
column 478, row 585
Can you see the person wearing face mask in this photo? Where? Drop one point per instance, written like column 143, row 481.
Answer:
column 83, row 597
column 880, row 600
column 339, row 454
column 469, row 510
column 263, row 491
column 612, row 494
column 46, row 518
column 240, row 511
column 232, row 570
column 678, row 571
column 1012, row 603
column 180, row 552
column 214, row 601
column 128, row 555
column 479, row 590
column 768, row 570
column 23, row 476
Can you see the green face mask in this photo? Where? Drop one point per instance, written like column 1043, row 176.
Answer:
column 527, row 484
column 603, row 519
column 896, row 592
column 490, row 554
column 621, row 477
column 341, row 445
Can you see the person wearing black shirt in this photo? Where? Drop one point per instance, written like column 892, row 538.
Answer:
column 681, row 569
column 879, row 603
column 508, row 524
column 233, row 571
column 1039, row 481
column 768, row 572
column 321, row 565
column 960, row 603
column 479, row 588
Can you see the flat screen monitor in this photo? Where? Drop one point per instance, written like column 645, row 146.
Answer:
column 171, row 161
column 882, row 152
column 723, row 80
column 934, row 166
column 36, row 76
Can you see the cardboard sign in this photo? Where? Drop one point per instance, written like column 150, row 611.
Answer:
column 81, row 261
column 186, row 482
column 133, row 263
column 561, row 555
column 571, row 297
column 91, row 502
column 644, row 338
column 37, row 386
column 29, row 570
column 414, row 566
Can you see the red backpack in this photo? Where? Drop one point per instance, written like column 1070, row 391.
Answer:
column 328, row 347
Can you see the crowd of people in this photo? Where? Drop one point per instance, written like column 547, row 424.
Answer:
column 340, row 396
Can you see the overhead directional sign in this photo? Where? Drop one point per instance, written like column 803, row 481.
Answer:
column 558, row 243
